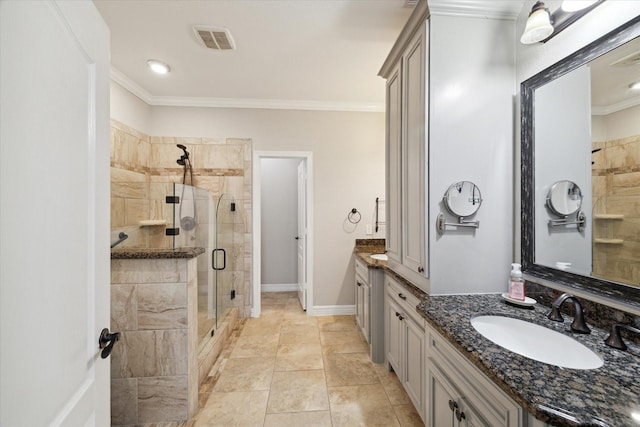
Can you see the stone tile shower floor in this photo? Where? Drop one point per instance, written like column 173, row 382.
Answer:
column 289, row 369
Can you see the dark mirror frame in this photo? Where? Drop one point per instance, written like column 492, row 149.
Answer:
column 603, row 288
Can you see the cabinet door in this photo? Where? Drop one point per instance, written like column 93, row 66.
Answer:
column 393, row 334
column 413, row 157
column 469, row 416
column 414, row 359
column 366, row 312
column 440, row 402
column 394, row 128
column 359, row 302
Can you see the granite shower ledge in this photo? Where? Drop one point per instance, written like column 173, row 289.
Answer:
column 156, row 253
column 607, row 396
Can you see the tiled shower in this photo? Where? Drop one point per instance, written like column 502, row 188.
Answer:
column 144, row 171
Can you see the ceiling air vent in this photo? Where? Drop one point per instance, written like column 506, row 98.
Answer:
column 217, row 38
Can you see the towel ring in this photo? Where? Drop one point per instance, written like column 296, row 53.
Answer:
column 351, row 216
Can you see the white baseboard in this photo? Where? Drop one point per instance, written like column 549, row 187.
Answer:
column 279, row 288
column 332, row 310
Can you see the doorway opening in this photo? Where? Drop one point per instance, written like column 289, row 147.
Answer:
column 282, row 226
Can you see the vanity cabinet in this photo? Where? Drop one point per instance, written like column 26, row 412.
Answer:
column 405, row 341
column 407, row 160
column 458, row 394
column 369, row 295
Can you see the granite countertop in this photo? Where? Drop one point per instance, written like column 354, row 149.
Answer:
column 607, row 396
column 155, row 253
column 370, row 262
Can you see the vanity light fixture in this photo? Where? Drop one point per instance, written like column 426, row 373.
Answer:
column 158, row 67
column 538, row 25
column 542, row 25
column 634, row 86
column 575, row 5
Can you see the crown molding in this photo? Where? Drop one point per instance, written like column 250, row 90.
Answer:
column 268, row 104
column 614, row 108
column 503, row 10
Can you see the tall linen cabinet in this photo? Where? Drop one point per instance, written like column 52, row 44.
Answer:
column 449, row 113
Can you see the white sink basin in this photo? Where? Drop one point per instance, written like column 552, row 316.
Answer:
column 536, row 342
column 381, row 257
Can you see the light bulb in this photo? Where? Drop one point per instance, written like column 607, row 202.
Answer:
column 538, row 25
column 158, row 67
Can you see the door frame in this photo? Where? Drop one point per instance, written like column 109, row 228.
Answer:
column 307, row 157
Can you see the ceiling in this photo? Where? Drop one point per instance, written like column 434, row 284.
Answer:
column 611, row 75
column 317, row 54
column 302, row 54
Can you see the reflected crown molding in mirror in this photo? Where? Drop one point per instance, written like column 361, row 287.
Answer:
column 619, row 293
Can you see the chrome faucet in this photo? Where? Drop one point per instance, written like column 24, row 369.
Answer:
column 615, row 340
column 578, row 324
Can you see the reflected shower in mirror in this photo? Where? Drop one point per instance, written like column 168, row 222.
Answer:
column 581, row 153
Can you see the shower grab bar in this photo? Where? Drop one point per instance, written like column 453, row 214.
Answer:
column 121, row 238
column 213, row 259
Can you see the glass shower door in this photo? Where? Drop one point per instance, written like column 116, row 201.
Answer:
column 193, row 217
column 225, row 257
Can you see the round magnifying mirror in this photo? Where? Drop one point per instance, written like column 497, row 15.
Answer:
column 564, row 198
column 463, row 199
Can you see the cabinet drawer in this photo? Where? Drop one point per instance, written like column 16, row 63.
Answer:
column 362, row 270
column 406, row 299
column 490, row 403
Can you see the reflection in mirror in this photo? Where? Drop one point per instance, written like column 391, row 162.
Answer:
column 581, row 126
column 564, row 198
column 463, row 199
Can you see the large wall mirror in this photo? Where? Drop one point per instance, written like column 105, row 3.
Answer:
column 581, row 124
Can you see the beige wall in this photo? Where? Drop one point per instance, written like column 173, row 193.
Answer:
column 348, row 162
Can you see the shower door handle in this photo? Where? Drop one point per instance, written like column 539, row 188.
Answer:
column 224, row 259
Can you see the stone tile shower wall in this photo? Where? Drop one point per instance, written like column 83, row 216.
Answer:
column 616, row 210
column 143, row 170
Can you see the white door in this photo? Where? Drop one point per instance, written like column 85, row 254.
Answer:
column 302, row 234
column 54, row 215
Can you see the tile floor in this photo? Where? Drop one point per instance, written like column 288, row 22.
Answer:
column 289, row 369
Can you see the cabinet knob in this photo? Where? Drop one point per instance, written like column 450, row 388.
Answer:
column 397, row 314
column 401, row 318
column 453, row 405
column 420, row 270
column 460, row 415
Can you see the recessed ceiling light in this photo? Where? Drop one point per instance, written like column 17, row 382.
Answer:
column 574, row 5
column 635, row 86
column 158, row 67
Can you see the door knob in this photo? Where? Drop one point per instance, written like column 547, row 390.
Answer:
column 106, row 342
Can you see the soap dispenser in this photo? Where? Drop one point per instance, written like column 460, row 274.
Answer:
column 516, row 283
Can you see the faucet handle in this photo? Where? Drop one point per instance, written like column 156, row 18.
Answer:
column 615, row 340
column 579, row 325
column 555, row 314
